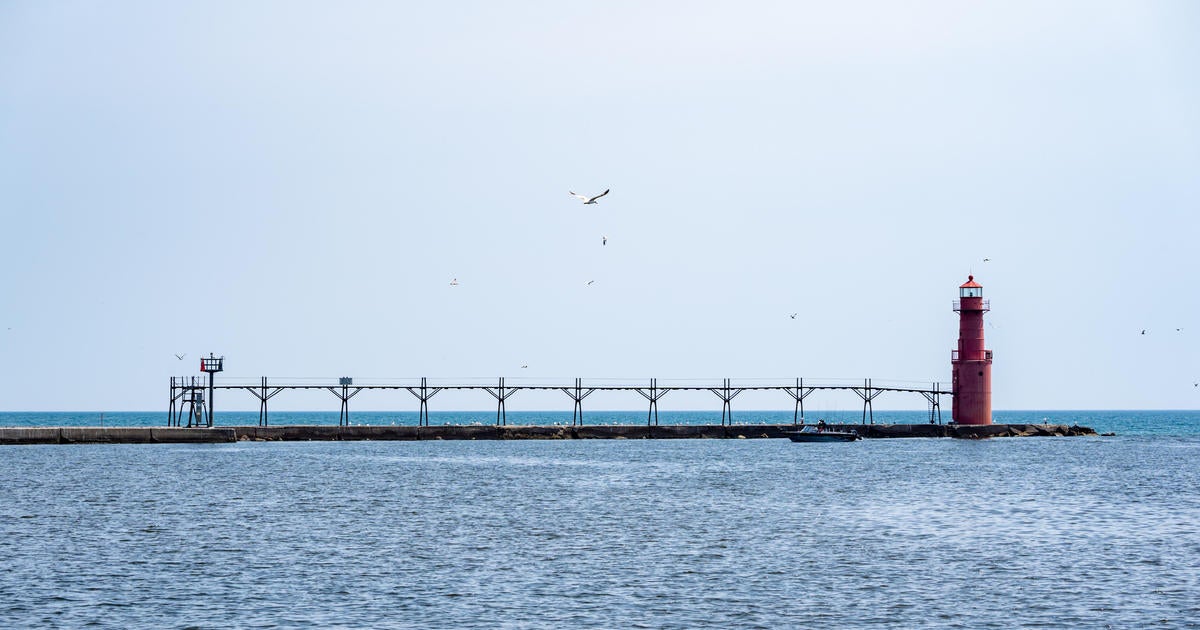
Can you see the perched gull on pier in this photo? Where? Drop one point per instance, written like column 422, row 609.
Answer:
column 589, row 200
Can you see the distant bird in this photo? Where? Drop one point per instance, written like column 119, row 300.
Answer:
column 793, row 315
column 180, row 356
column 604, row 240
column 524, row 366
column 590, row 282
column 987, row 260
column 1176, row 330
column 1143, row 331
column 589, row 200
column 454, row 282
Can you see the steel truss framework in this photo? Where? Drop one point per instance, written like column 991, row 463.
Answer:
column 188, row 392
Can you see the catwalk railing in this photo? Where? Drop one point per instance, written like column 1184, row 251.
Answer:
column 188, row 392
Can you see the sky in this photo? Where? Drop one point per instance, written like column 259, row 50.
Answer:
column 294, row 186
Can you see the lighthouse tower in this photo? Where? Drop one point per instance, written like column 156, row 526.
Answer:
column 971, row 363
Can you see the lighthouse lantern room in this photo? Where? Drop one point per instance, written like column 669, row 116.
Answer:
column 971, row 362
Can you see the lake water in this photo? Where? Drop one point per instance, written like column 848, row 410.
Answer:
column 1020, row 532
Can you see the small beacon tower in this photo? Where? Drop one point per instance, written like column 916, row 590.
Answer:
column 212, row 365
column 971, row 363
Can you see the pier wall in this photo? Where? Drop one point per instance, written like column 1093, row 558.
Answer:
column 176, row 435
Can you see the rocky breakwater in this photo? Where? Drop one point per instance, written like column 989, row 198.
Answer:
column 966, row 431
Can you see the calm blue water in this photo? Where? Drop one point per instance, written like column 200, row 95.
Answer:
column 1021, row 532
column 1123, row 422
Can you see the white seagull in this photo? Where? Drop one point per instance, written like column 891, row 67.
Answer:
column 454, row 282
column 588, row 200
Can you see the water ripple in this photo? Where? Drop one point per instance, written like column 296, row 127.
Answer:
column 661, row 534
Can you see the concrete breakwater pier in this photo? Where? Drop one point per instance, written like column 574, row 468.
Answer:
column 300, row 433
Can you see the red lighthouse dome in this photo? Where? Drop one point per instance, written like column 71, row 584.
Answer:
column 971, row 362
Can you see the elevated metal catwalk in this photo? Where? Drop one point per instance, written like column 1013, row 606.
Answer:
column 188, row 392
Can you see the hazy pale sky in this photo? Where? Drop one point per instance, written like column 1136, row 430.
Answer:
column 294, row 185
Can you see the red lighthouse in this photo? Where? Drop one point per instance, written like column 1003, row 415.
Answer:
column 971, row 363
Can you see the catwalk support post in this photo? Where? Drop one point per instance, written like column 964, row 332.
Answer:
column 652, row 394
column 798, row 394
column 425, row 394
column 726, row 393
column 867, row 394
column 344, row 394
column 263, row 394
column 577, row 394
column 935, row 404
column 501, row 394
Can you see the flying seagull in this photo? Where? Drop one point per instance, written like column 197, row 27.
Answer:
column 454, row 282
column 987, row 260
column 1143, row 331
column 588, row 200
column 524, row 366
column 180, row 356
column 603, row 240
column 793, row 315
column 590, row 282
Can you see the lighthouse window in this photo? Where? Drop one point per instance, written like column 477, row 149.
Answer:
column 971, row 292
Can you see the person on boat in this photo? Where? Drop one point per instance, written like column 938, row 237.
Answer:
column 821, row 425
